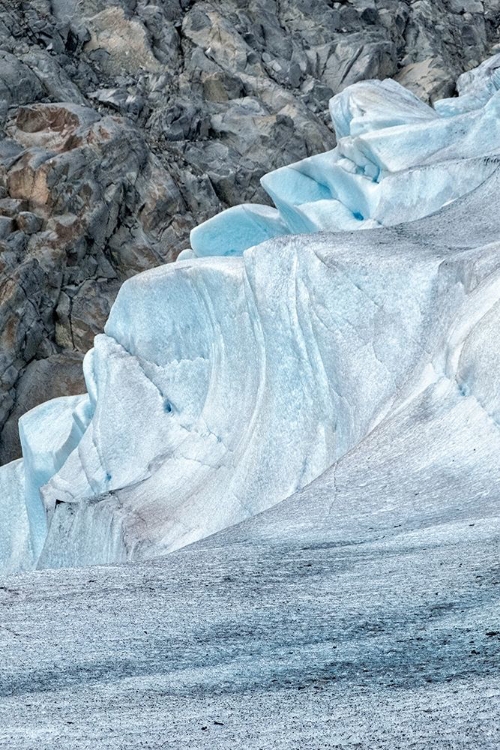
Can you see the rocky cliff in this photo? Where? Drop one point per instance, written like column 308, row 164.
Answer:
column 126, row 123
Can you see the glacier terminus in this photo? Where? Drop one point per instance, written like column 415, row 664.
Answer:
column 281, row 340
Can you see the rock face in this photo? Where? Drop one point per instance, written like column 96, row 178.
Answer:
column 127, row 123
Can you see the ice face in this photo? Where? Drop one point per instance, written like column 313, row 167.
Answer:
column 49, row 434
column 183, row 421
column 228, row 381
column 15, row 548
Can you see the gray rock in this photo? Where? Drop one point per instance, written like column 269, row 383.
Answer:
column 11, row 207
column 28, row 223
column 52, row 76
column 6, row 226
column 18, row 84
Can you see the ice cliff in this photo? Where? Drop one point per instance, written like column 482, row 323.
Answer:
column 231, row 379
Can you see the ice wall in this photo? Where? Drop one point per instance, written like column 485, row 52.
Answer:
column 224, row 384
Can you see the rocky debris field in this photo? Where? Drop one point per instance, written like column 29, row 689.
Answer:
column 126, row 123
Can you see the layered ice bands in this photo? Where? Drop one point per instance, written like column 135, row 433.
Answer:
column 223, row 385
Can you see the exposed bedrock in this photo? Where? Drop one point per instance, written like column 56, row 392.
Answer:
column 125, row 124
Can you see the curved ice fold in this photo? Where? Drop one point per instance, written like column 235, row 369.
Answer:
column 235, row 230
column 223, row 384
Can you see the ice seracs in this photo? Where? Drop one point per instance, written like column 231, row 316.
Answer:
column 397, row 159
column 230, row 380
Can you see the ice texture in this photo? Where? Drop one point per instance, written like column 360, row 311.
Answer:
column 281, row 340
column 15, row 549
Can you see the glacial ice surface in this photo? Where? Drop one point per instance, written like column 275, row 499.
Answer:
column 230, row 380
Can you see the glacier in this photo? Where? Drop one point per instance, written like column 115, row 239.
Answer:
column 283, row 340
